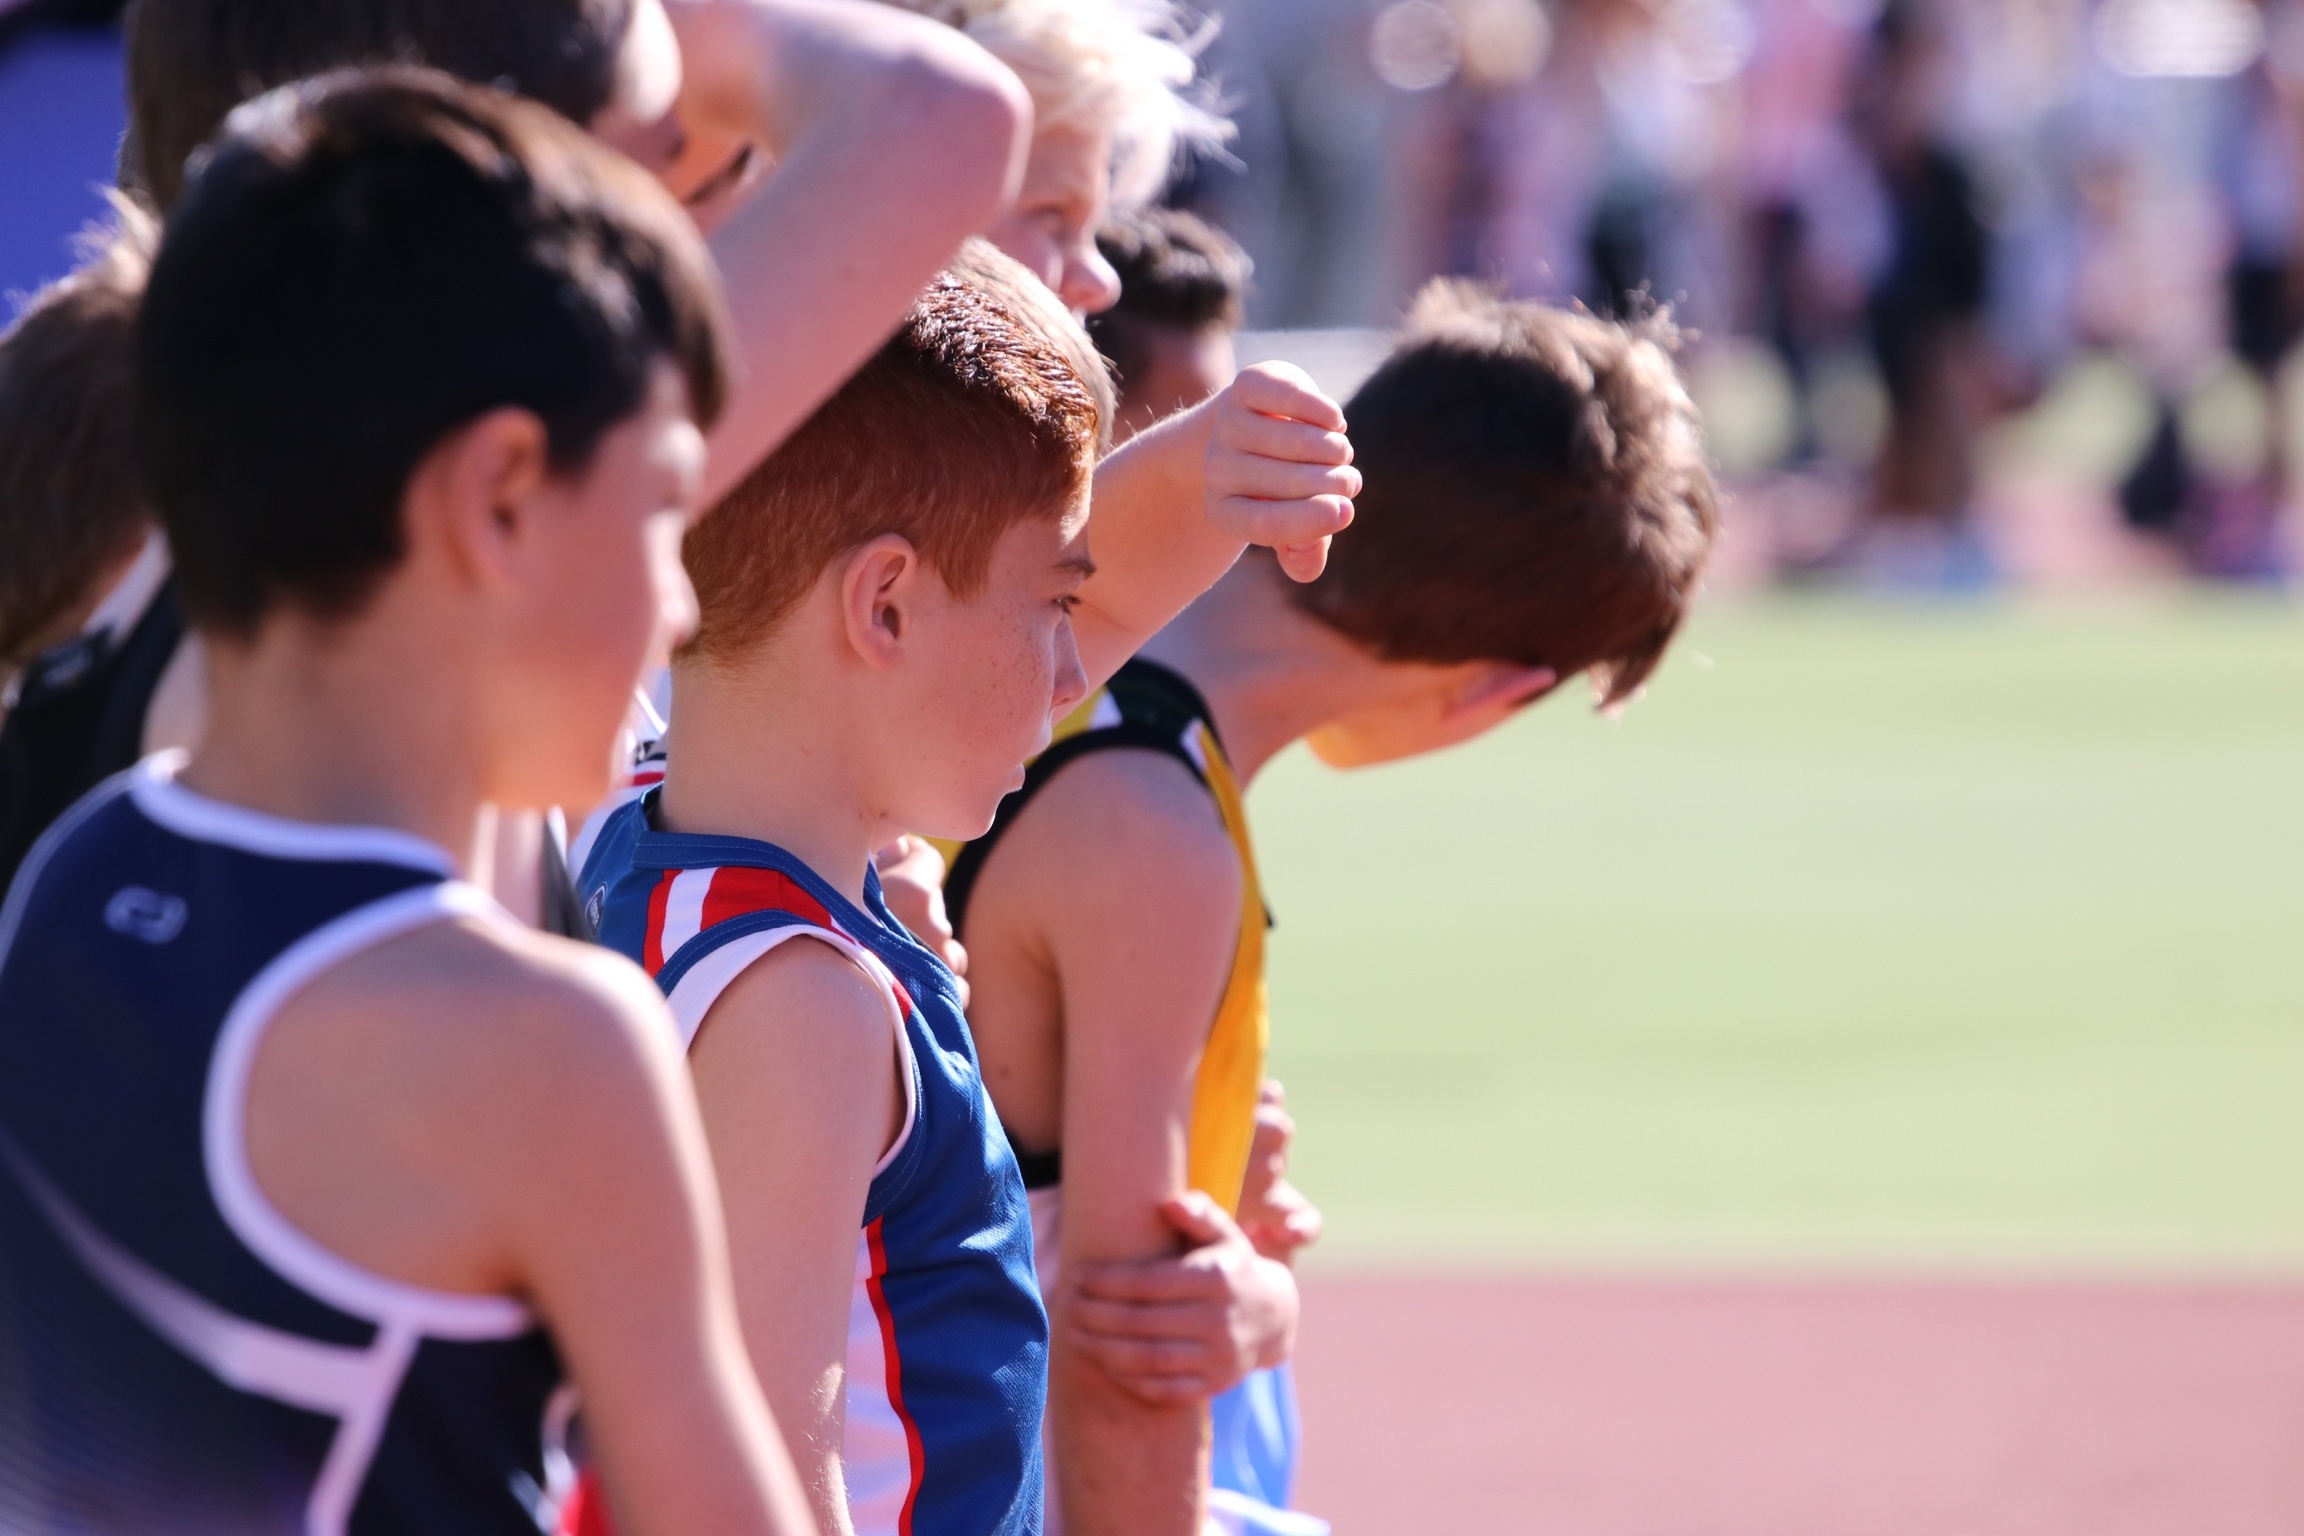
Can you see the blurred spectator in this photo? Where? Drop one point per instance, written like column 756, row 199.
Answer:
column 1924, row 305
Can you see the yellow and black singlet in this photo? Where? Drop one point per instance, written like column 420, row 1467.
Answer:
column 1149, row 707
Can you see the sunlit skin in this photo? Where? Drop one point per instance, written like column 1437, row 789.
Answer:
column 535, row 1129
column 886, row 701
column 1180, row 369
column 836, row 155
column 1060, row 206
column 473, row 1107
column 1101, row 934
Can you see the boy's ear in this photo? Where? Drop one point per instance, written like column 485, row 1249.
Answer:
column 474, row 493
column 877, row 589
column 1493, row 683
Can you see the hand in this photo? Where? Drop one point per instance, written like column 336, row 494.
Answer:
column 1273, row 1212
column 1279, row 469
column 912, row 883
column 1178, row 1330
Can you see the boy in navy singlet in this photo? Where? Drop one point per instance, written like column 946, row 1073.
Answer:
column 888, row 611
column 323, row 1184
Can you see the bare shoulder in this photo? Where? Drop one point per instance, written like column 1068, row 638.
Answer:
column 436, row 1107
column 1133, row 821
column 802, row 999
column 797, row 1052
column 485, row 1006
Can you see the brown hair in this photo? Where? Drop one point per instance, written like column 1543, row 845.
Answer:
column 70, row 505
column 975, row 416
column 1536, row 492
column 190, row 62
column 1177, row 273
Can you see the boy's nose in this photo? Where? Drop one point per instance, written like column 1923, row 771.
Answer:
column 1071, row 678
column 1089, row 286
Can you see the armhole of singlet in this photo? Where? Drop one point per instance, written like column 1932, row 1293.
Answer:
column 253, row 1218
column 960, row 883
column 697, row 990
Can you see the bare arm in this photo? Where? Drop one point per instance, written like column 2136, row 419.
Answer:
column 1123, row 874
column 796, row 1074
column 895, row 138
column 1265, row 461
column 489, row 1113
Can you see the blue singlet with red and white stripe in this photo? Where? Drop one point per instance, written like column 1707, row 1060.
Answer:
column 947, row 1365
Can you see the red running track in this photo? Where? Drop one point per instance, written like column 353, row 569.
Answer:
column 1696, row 1408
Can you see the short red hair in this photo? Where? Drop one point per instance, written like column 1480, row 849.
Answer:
column 971, row 419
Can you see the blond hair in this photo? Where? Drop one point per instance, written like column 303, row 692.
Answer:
column 1125, row 67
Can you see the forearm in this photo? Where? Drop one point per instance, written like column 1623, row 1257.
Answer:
column 895, row 139
column 782, row 73
column 1264, row 462
column 1123, row 1467
column 1155, row 548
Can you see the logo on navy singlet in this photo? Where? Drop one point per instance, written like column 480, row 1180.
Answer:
column 145, row 914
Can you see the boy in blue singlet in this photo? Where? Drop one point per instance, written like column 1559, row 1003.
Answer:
column 893, row 606
column 1537, row 506
column 322, row 1182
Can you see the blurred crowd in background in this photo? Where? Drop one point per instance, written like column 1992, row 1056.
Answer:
column 1971, row 291
column 1975, row 290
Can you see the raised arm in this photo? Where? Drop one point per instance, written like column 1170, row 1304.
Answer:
column 1263, row 461
column 893, row 138
column 796, row 1073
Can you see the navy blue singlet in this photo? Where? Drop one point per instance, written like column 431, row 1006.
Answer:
column 174, row 1355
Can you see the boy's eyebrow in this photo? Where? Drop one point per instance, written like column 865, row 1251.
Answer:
column 1078, row 565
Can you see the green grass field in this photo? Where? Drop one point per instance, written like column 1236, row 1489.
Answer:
column 1954, row 937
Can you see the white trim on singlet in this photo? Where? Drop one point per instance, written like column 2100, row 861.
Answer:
column 191, row 814
column 305, row 1373
column 709, row 977
column 355, row 1386
column 250, row 1214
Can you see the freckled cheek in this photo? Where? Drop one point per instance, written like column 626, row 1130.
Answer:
column 1028, row 680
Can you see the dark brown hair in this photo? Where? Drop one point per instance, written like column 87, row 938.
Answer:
column 190, row 62
column 974, row 417
column 1177, row 273
column 1536, row 492
column 70, row 505
column 363, row 263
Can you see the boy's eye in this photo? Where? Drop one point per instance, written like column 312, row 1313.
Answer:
column 1069, row 602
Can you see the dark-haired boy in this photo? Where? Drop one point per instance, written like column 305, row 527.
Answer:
column 884, row 639
column 321, row 1178
column 1536, row 506
column 891, row 139
column 1183, row 288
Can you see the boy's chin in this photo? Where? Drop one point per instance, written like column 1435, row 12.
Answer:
column 1344, row 749
column 963, row 824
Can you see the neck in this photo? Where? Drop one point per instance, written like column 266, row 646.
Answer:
column 747, row 758
column 306, row 724
column 1270, row 675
